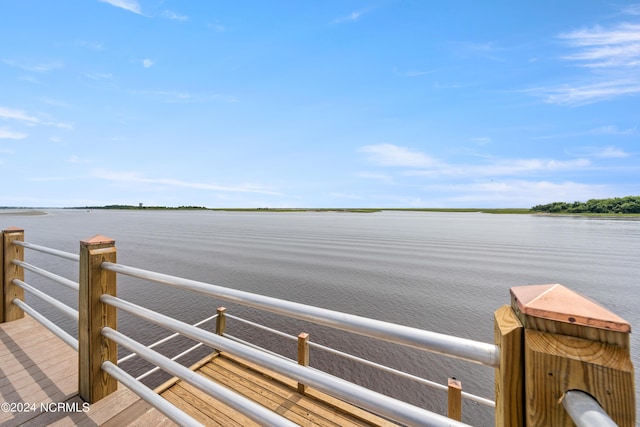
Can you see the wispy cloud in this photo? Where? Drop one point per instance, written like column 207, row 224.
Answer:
column 605, row 47
column 21, row 116
column 33, row 67
column 352, row 17
column 417, row 163
column 410, row 73
column 393, row 155
column 174, row 16
column 8, row 113
column 482, row 140
column 134, row 177
column 218, row 27
column 130, row 5
column 147, row 63
column 612, row 54
column 9, row 134
column 78, row 160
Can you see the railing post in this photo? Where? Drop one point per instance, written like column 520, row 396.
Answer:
column 94, row 349
column 10, row 272
column 572, row 343
column 509, row 382
column 454, row 399
column 221, row 321
column 303, row 355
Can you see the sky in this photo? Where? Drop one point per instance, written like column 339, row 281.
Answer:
column 380, row 103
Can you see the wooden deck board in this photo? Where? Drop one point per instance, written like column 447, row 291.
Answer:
column 261, row 386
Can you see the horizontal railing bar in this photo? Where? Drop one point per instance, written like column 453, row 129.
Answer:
column 50, row 251
column 161, row 404
column 360, row 396
column 259, row 326
column 585, row 411
column 55, row 329
column 164, row 340
column 462, row 348
column 254, row 411
column 44, row 273
column 174, row 358
column 70, row 312
column 406, row 375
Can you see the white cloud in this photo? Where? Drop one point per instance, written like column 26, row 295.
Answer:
column 21, row 116
column 174, row 16
column 588, row 92
column 520, row 193
column 613, row 56
column 147, row 63
column 218, row 27
column 134, row 177
column 393, row 155
column 374, row 176
column 7, row 113
column 611, row 152
column 130, row 5
column 36, row 68
column 482, row 140
column 78, row 160
column 418, row 163
column 352, row 17
column 8, row 134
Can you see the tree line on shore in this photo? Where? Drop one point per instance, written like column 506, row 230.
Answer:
column 618, row 205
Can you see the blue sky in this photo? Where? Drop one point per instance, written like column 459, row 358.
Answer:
column 384, row 103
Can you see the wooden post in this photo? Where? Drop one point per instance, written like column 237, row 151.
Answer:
column 221, row 321
column 10, row 291
column 509, row 382
column 454, row 407
column 94, row 349
column 572, row 343
column 303, row 355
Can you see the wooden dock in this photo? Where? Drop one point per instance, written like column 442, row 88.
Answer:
column 37, row 368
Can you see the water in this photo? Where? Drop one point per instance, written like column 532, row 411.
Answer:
column 444, row 272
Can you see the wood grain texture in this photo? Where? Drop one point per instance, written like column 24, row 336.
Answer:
column 509, row 376
column 94, row 349
column 11, row 271
column 557, row 363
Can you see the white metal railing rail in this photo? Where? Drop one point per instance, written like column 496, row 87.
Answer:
column 68, row 311
column 149, row 395
column 462, row 348
column 47, row 274
column 585, row 411
column 433, row 384
column 372, row 401
column 46, row 250
column 55, row 329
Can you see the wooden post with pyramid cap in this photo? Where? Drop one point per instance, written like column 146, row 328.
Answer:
column 93, row 348
column 8, row 290
column 572, row 343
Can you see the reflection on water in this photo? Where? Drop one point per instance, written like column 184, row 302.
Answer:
column 445, row 272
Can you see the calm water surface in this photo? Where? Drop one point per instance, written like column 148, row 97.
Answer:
column 445, row 272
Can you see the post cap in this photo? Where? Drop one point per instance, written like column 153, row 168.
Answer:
column 98, row 240
column 558, row 303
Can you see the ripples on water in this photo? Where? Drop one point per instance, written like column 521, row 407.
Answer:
column 444, row 272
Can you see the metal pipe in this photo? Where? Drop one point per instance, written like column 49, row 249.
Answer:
column 585, row 411
column 362, row 397
column 157, row 401
column 259, row 326
column 164, row 340
column 470, row 350
column 70, row 312
column 253, row 410
column 174, row 358
column 55, row 329
column 50, row 251
column 433, row 384
column 44, row 273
